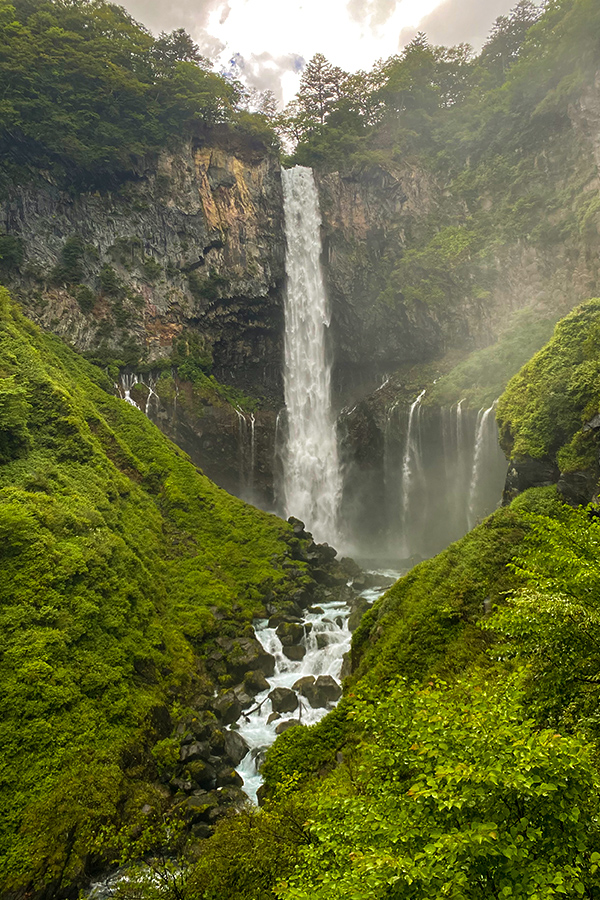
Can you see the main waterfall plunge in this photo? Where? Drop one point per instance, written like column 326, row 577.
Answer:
column 431, row 473
column 311, row 471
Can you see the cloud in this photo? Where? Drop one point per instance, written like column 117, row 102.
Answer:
column 458, row 22
column 373, row 13
column 264, row 71
column 193, row 16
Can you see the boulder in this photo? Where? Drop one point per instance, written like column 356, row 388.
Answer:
column 322, row 639
column 279, row 617
column 358, row 610
column 228, row 708
column 315, row 610
column 193, row 751
column 202, row 774
column 217, row 741
column 273, row 717
column 200, row 805
column 321, row 692
column 296, row 652
column 242, row 696
column 248, row 655
column 283, row 700
column 305, row 682
column 283, row 726
column 227, row 775
column 201, row 725
column 290, row 633
column 255, row 682
column 235, row 747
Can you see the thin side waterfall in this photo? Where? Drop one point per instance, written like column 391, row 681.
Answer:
column 483, row 437
column 411, row 462
column 311, row 472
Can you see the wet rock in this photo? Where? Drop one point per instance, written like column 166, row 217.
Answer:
column 248, row 655
column 578, row 488
column 255, row 683
column 193, row 751
column 322, row 639
column 321, row 691
column 307, row 681
column 283, row 700
column 358, row 610
column 316, row 610
column 526, row 472
column 229, row 776
column 201, row 830
column 242, row 696
column 201, row 725
column 290, row 633
column 279, row 617
column 235, row 747
column 283, row 726
column 200, row 805
column 228, row 708
column 346, row 666
column 182, row 784
column 349, row 567
column 202, row 774
column 296, row 652
column 297, row 527
column 273, row 718
column 217, row 742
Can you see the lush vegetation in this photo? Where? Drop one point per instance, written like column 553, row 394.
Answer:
column 483, row 376
column 556, row 393
column 462, row 761
column 89, row 94
column 119, row 561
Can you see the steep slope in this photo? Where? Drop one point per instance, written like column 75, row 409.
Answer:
column 121, row 563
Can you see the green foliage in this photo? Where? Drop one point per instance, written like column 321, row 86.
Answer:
column 454, row 794
column 115, row 554
column 483, row 376
column 88, row 92
column 438, row 273
column 249, row 854
column 301, row 751
column 427, row 621
column 553, row 618
column 11, row 253
column 14, row 436
column 552, row 396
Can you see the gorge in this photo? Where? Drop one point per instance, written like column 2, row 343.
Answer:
column 299, row 467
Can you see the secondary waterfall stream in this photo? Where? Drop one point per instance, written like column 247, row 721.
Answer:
column 311, row 471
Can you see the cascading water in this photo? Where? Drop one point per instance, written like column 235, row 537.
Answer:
column 485, row 440
column 311, row 473
column 411, row 462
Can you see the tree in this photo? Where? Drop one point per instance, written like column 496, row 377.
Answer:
column 320, row 88
column 553, row 620
column 503, row 47
column 455, row 795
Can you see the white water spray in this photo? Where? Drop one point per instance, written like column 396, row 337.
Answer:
column 483, row 436
column 311, row 472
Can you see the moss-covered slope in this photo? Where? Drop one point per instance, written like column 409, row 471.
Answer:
column 119, row 561
column 546, row 416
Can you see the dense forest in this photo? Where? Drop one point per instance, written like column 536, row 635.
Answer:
column 462, row 759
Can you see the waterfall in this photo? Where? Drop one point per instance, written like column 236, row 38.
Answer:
column 311, row 473
column 246, row 453
column 484, row 436
column 411, row 465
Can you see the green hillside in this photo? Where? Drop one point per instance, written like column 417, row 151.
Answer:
column 119, row 562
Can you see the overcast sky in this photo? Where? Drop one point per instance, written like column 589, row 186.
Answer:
column 271, row 39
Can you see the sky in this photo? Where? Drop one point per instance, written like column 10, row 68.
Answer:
column 268, row 41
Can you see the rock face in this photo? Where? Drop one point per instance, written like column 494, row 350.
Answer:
column 195, row 246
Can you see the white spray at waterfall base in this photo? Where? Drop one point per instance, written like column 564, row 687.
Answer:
column 311, row 471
